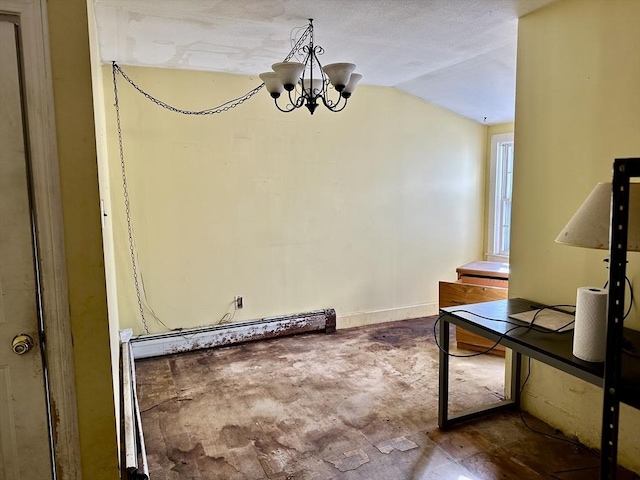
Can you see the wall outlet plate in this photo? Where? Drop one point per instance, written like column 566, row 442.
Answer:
column 238, row 301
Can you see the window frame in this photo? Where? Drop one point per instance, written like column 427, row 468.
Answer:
column 494, row 252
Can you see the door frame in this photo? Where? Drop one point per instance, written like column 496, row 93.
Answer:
column 47, row 212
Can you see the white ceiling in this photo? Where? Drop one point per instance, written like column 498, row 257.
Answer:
column 459, row 54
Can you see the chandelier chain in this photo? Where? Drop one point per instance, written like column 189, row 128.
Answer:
column 299, row 43
column 127, row 206
column 224, row 107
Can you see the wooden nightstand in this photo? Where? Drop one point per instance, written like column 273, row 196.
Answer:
column 477, row 282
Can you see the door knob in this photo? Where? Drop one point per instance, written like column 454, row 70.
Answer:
column 22, row 344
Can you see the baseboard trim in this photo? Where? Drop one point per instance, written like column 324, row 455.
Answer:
column 360, row 319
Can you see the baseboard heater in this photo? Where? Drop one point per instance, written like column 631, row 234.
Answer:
column 134, row 455
column 184, row 340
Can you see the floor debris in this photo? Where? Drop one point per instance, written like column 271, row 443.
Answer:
column 401, row 443
column 349, row 460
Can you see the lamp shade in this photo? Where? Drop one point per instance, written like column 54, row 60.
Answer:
column 272, row 82
column 316, row 86
column 288, row 72
column 353, row 81
column 339, row 74
column 307, row 84
column 589, row 226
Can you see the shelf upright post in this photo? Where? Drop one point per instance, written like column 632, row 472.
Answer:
column 623, row 170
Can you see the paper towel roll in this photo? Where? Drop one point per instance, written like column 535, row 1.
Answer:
column 590, row 332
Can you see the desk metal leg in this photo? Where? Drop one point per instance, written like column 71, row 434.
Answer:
column 444, row 420
column 443, row 392
column 516, row 378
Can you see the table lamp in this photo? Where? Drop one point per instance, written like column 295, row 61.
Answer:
column 590, row 228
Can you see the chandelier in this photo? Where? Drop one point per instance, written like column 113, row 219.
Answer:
column 307, row 83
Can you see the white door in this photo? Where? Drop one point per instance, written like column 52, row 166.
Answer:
column 25, row 451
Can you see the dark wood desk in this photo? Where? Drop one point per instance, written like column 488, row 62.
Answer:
column 554, row 349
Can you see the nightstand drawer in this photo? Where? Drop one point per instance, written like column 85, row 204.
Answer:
column 453, row 294
column 490, row 282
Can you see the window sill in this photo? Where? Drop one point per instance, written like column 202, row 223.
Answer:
column 490, row 257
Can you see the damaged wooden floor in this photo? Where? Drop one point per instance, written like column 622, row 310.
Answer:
column 359, row 404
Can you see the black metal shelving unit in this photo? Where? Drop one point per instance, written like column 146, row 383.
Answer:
column 623, row 170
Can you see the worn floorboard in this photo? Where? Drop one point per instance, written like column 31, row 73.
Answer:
column 359, row 404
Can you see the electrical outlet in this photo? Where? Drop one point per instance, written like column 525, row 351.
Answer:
column 238, row 302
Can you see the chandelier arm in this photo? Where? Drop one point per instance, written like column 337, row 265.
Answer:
column 292, row 105
column 275, row 101
column 331, row 104
column 337, row 106
column 309, row 55
column 299, row 101
column 318, row 50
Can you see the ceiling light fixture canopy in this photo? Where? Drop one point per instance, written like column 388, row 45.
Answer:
column 307, row 83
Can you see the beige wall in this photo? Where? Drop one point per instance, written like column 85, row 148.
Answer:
column 577, row 109
column 363, row 210
column 83, row 237
column 105, row 197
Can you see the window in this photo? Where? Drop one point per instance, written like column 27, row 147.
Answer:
column 501, row 187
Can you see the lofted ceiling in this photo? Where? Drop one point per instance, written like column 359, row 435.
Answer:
column 458, row 54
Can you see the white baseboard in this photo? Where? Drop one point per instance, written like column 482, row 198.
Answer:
column 360, row 319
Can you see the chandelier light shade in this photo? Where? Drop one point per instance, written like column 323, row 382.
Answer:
column 589, row 226
column 307, row 83
column 339, row 74
column 272, row 83
column 288, row 73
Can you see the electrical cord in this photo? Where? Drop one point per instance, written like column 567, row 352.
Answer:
column 529, row 327
column 631, row 297
column 628, row 282
column 627, row 346
column 435, row 338
column 296, row 37
column 146, row 300
column 227, row 317
column 224, row 107
column 549, row 435
column 555, row 308
column 555, row 476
